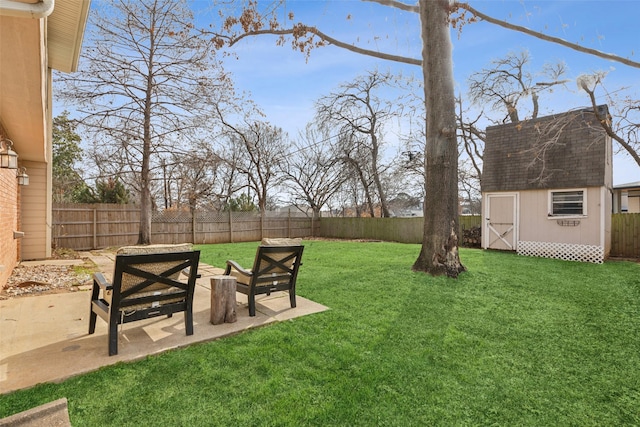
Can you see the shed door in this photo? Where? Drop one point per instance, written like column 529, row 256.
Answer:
column 501, row 222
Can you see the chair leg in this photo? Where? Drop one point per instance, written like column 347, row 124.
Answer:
column 188, row 319
column 92, row 322
column 252, row 305
column 113, row 338
column 92, row 315
column 292, row 298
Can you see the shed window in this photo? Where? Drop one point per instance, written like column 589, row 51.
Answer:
column 568, row 203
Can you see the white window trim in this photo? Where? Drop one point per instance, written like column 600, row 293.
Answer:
column 566, row 190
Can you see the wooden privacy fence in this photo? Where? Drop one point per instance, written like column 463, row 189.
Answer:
column 95, row 226
column 89, row 226
column 403, row 230
column 85, row 227
column 625, row 235
column 625, row 230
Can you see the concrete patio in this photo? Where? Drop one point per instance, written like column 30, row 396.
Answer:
column 44, row 338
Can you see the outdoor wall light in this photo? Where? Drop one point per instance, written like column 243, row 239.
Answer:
column 8, row 157
column 23, row 178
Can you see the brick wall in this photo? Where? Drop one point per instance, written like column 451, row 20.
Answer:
column 9, row 214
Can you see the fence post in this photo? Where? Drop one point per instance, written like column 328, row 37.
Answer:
column 95, row 229
column 289, row 223
column 261, row 225
column 230, row 228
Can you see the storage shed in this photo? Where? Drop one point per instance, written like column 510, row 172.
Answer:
column 547, row 187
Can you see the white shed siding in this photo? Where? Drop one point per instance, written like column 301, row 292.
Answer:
column 584, row 238
column 537, row 225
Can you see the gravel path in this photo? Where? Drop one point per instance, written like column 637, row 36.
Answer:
column 28, row 279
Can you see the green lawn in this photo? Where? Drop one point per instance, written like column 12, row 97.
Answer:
column 513, row 341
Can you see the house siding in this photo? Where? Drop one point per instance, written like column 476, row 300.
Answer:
column 634, row 203
column 36, row 213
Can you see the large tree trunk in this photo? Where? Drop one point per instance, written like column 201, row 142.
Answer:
column 144, row 235
column 439, row 253
column 384, row 207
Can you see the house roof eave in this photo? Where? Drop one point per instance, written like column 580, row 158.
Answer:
column 65, row 32
column 28, row 49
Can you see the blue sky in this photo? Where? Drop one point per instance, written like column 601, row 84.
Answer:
column 285, row 86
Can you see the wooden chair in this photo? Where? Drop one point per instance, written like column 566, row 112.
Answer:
column 145, row 285
column 275, row 268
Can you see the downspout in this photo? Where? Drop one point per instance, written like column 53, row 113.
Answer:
column 16, row 9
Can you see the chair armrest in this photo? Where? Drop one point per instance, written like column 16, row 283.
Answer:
column 187, row 272
column 232, row 264
column 101, row 281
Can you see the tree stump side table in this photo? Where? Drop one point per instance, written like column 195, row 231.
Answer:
column 223, row 299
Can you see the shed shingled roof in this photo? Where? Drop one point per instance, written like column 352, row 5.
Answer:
column 521, row 156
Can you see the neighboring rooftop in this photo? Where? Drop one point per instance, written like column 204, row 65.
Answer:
column 627, row 185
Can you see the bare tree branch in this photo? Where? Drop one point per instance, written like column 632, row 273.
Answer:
column 398, row 5
column 605, row 122
column 546, row 37
column 300, row 29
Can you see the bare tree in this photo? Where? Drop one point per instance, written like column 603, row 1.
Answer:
column 471, row 138
column 507, row 81
column 625, row 130
column 313, row 169
column 439, row 252
column 469, row 184
column 232, row 180
column 145, row 81
column 357, row 108
column 350, row 199
column 351, row 152
column 404, row 181
column 198, row 177
column 264, row 148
